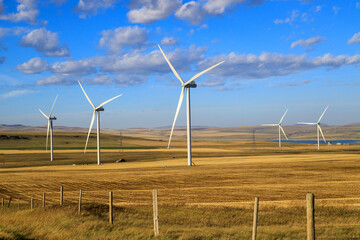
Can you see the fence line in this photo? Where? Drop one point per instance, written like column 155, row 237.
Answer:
column 310, row 211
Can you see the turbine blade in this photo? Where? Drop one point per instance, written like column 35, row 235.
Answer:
column 91, row 124
column 305, row 123
column 86, row 95
column 323, row 114
column 321, row 133
column 43, row 114
column 171, row 66
column 203, row 72
column 177, row 113
column 53, row 106
column 47, row 134
column 283, row 132
column 109, row 100
column 283, row 116
column 270, row 125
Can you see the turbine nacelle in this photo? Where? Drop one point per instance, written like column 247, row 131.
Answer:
column 191, row 85
column 52, row 118
column 99, row 109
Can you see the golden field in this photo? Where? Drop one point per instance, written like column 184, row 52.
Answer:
column 212, row 200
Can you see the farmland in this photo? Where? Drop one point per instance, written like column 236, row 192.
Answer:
column 212, row 200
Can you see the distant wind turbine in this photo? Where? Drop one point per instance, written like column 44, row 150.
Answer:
column 50, row 129
column 280, row 128
column 185, row 85
column 97, row 111
column 318, row 127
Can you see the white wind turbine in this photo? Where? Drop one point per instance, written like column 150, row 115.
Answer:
column 318, row 128
column 50, row 129
column 97, row 111
column 280, row 128
column 185, row 85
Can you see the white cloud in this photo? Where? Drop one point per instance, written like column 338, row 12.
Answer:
column 150, row 63
column 217, row 7
column 150, row 11
column 169, row 41
column 26, row 11
column 74, row 68
column 56, row 80
column 130, row 69
column 16, row 93
column 308, row 42
column 197, row 11
column 91, row 7
column 115, row 40
column 46, row 42
column 354, row 39
column 119, row 80
column 2, row 7
column 250, row 66
column 10, row 32
column 34, row 65
column 317, row 8
column 191, row 11
column 335, row 9
column 294, row 15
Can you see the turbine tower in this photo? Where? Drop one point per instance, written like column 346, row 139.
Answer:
column 50, row 128
column 318, row 128
column 97, row 111
column 280, row 128
column 185, row 85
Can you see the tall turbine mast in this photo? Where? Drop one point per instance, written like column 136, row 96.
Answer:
column 50, row 129
column 97, row 111
column 280, row 128
column 185, row 85
column 318, row 128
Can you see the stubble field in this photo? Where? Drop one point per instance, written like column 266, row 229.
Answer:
column 212, row 200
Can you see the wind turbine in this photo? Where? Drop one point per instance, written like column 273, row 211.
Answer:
column 50, row 128
column 97, row 111
column 185, row 85
column 318, row 127
column 280, row 128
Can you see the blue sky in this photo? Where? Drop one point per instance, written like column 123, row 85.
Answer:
column 296, row 54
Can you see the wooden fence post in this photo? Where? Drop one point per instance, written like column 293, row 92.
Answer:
column 110, row 207
column 44, row 200
column 31, row 204
column 2, row 202
column 9, row 202
column 80, row 196
column 310, row 216
column 61, row 195
column 155, row 211
column 256, row 210
column 18, row 203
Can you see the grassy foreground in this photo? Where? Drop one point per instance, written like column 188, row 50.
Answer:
column 176, row 222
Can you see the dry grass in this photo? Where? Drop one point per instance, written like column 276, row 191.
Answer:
column 212, row 200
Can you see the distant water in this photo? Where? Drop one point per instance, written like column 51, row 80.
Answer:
column 321, row 142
